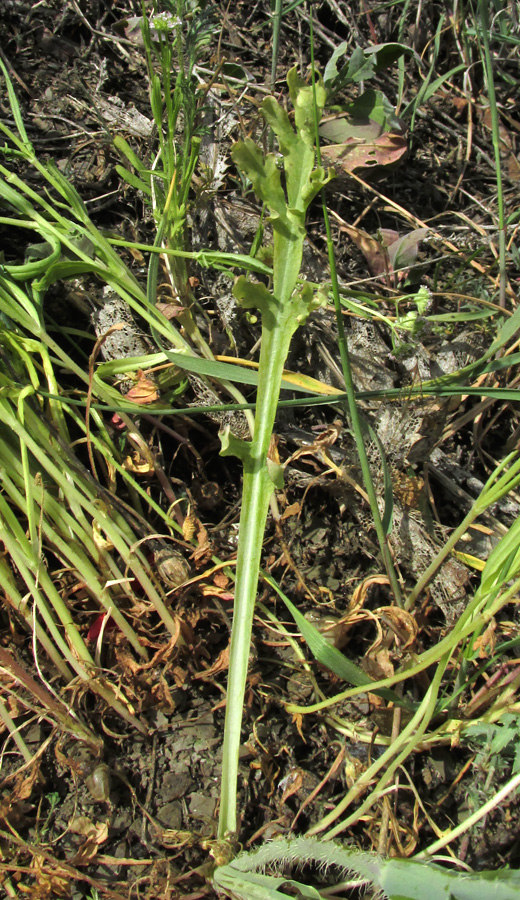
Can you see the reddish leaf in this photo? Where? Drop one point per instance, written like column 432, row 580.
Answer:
column 95, row 629
column 117, row 422
column 403, row 251
column 372, row 249
column 353, row 154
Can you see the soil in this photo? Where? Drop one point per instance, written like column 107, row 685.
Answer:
column 137, row 818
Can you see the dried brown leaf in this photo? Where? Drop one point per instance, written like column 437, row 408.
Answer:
column 354, row 154
column 221, row 664
column 144, row 391
column 293, row 783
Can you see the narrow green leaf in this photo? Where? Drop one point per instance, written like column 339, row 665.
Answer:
column 330, row 656
column 15, row 108
column 124, row 148
column 133, row 180
column 507, row 332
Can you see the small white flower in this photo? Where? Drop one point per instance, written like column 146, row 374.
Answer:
column 164, row 21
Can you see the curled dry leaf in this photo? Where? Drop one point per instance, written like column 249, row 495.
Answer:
column 291, row 784
column 170, row 310
column 378, row 664
column 24, row 783
column 221, row 580
column 401, row 622
column 486, row 642
column 172, row 839
column 50, row 881
column 354, row 769
column 370, row 247
column 137, row 464
column 101, row 542
column 294, row 509
column 144, row 391
column 189, row 526
column 360, row 594
column 202, row 553
column 94, row 831
column 210, row 590
column 221, row 664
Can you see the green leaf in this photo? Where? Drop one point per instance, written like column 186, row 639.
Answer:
column 253, row 295
column 361, row 66
column 212, row 367
column 15, row 108
column 503, row 737
column 303, row 98
column 396, row 879
column 303, row 301
column 133, row 180
column 276, row 474
column 40, row 257
column 298, row 160
column 156, row 101
column 403, row 252
column 387, row 54
column 376, row 106
column 423, row 300
column 428, row 90
column 233, row 70
column 507, row 332
column 233, row 446
column 124, row 148
column 331, row 73
column 264, row 175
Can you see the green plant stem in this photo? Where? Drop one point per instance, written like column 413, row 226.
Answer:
column 14, row 732
column 256, row 493
column 282, row 312
column 483, row 28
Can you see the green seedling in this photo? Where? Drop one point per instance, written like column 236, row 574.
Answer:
column 53, row 800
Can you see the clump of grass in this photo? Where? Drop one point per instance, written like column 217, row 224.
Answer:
column 51, row 505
